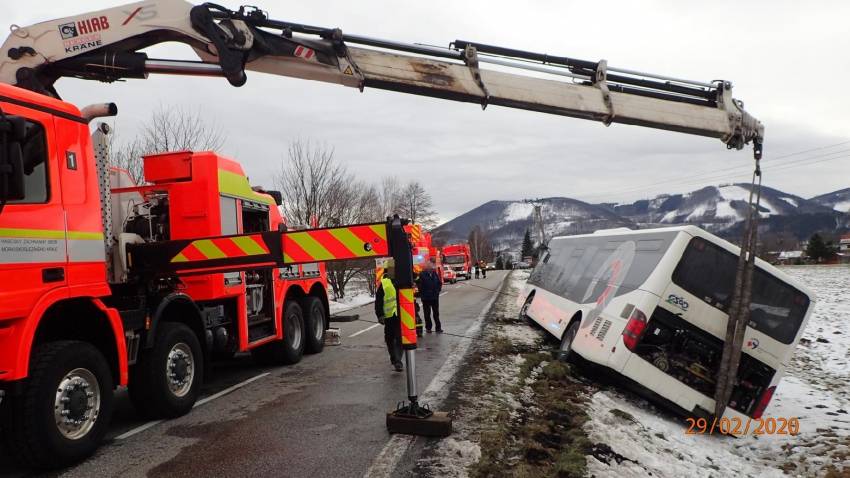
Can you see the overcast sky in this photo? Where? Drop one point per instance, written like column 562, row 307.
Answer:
column 787, row 60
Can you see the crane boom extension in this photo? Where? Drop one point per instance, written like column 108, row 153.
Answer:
column 104, row 45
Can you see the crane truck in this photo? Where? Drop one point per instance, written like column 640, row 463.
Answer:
column 87, row 304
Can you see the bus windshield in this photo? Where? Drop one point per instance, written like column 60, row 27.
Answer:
column 454, row 259
column 708, row 271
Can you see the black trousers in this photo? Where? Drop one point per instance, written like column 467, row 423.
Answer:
column 432, row 306
column 484, row 273
column 392, row 336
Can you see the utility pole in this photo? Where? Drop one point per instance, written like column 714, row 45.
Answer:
column 537, row 218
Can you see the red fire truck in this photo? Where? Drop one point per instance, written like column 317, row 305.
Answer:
column 459, row 258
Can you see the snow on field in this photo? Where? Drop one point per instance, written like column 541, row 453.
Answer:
column 816, row 390
column 843, row 206
column 350, row 302
column 518, row 211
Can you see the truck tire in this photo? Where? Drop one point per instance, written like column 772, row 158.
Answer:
column 289, row 350
column 315, row 325
column 166, row 381
column 63, row 410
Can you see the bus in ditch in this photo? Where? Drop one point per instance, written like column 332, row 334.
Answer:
column 652, row 305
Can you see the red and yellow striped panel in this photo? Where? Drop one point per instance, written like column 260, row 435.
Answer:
column 407, row 313
column 415, row 231
column 221, row 248
column 350, row 242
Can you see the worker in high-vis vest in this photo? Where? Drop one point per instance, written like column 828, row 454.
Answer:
column 386, row 308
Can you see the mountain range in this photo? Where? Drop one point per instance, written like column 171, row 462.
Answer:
column 719, row 209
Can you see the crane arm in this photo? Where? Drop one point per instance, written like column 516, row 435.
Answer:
column 104, row 45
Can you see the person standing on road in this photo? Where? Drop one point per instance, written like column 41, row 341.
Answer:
column 386, row 308
column 429, row 291
column 483, row 266
column 477, row 269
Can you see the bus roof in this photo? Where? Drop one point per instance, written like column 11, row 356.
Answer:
column 695, row 231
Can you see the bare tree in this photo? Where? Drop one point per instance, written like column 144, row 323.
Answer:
column 415, row 204
column 390, row 195
column 168, row 129
column 314, row 185
column 479, row 245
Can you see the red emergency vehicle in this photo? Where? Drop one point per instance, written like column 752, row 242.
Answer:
column 459, row 258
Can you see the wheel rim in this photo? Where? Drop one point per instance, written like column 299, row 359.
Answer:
column 318, row 322
column 180, row 369
column 77, row 403
column 294, row 332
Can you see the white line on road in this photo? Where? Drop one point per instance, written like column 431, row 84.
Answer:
column 387, row 461
column 355, row 334
column 143, row 427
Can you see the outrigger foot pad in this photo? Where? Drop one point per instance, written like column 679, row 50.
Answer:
column 414, row 419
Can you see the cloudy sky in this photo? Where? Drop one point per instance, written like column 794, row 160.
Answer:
column 788, row 63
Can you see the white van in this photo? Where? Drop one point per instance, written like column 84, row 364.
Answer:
column 652, row 306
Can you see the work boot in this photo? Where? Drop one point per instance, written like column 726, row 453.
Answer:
column 398, row 366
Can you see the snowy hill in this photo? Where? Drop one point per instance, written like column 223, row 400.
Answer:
column 720, row 208
column 506, row 221
column 837, row 200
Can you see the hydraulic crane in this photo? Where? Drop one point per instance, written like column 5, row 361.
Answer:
column 54, row 256
column 104, row 45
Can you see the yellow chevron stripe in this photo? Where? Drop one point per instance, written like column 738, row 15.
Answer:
column 248, row 245
column 311, row 246
column 380, row 230
column 180, row 258
column 209, row 249
column 351, row 242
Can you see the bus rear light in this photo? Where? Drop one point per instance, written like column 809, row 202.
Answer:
column 765, row 400
column 634, row 329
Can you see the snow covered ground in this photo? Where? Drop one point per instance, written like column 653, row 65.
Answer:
column 356, row 295
column 816, row 389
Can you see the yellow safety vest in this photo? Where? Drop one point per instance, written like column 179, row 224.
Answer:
column 390, row 299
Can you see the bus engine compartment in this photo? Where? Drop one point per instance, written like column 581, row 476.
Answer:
column 693, row 356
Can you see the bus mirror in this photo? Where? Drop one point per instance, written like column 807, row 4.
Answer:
column 12, row 132
column 277, row 196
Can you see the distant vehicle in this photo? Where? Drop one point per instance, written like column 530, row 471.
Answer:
column 652, row 305
column 449, row 275
column 521, row 265
column 491, row 266
column 459, row 258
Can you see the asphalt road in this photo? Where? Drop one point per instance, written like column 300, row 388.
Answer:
column 324, row 417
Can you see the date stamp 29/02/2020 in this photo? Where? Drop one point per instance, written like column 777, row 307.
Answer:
column 738, row 426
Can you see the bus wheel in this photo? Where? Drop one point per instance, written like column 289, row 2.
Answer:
column 315, row 325
column 565, row 352
column 523, row 312
column 166, row 381
column 289, row 350
column 63, row 410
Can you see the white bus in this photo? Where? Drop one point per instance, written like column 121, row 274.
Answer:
column 652, row 306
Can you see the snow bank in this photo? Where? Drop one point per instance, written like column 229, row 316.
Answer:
column 351, row 301
column 842, row 206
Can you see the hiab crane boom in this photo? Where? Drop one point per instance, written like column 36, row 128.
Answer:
column 71, row 327
column 104, row 45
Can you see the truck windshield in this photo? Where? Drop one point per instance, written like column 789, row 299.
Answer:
column 708, row 271
column 454, row 259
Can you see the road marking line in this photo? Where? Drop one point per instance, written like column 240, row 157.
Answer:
column 355, row 334
column 443, row 293
column 386, row 462
column 145, row 426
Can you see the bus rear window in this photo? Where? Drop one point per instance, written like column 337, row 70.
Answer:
column 708, row 272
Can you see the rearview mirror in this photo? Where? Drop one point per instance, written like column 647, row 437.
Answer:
column 12, row 133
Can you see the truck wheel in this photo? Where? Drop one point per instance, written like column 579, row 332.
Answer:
column 565, row 351
column 289, row 350
column 166, row 381
column 315, row 325
column 64, row 408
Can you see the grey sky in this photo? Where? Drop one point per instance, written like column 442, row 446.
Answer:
column 787, row 61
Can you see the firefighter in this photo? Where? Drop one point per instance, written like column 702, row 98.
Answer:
column 386, row 308
column 483, row 267
column 477, row 269
column 429, row 291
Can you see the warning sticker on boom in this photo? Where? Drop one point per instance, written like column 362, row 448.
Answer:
column 348, row 71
